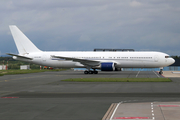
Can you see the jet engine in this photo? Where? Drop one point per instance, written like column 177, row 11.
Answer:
column 108, row 66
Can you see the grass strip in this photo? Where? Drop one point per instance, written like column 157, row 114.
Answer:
column 118, row 80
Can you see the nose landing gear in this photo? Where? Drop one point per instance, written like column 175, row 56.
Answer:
column 161, row 71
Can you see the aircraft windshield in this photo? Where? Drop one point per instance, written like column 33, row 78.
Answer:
column 167, row 56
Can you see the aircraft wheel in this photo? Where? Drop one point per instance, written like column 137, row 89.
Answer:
column 86, row 72
column 161, row 73
column 95, row 72
column 90, row 72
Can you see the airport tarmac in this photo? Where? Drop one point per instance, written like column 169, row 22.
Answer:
column 144, row 110
column 42, row 96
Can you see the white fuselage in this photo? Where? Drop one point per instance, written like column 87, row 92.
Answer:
column 105, row 61
column 122, row 59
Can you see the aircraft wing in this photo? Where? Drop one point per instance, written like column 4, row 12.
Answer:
column 85, row 62
column 19, row 56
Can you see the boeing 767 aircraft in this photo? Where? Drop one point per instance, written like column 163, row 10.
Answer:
column 105, row 61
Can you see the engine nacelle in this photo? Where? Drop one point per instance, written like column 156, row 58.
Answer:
column 108, row 66
column 118, row 69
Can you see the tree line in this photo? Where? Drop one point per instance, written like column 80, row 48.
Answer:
column 15, row 64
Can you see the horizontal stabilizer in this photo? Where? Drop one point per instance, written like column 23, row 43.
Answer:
column 19, row 56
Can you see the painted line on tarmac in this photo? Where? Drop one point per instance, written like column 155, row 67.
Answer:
column 21, row 78
column 163, row 76
column 9, row 97
column 169, row 105
column 115, row 110
column 156, row 74
column 134, row 118
column 152, row 110
column 137, row 73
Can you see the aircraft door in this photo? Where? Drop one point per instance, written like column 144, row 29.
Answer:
column 156, row 58
column 44, row 57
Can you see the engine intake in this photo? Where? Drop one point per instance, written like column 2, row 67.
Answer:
column 109, row 66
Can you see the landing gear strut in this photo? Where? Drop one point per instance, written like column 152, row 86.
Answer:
column 161, row 71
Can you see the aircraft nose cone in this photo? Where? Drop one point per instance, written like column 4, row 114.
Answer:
column 172, row 61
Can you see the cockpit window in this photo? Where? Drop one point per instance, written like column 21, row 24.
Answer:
column 167, row 57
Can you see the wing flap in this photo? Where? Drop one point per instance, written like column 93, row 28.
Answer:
column 85, row 62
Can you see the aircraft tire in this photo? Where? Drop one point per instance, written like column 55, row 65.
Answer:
column 160, row 72
column 95, row 72
column 86, row 72
column 91, row 72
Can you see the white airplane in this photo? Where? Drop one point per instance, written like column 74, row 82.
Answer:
column 105, row 61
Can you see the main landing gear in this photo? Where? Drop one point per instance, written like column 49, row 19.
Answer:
column 91, row 72
column 161, row 71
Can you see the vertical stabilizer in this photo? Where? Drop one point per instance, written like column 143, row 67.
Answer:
column 23, row 44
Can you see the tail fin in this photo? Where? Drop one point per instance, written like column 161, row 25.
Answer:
column 23, row 44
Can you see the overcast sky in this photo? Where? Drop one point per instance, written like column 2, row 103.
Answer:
column 82, row 25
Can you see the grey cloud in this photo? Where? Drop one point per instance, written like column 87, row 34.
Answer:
column 84, row 25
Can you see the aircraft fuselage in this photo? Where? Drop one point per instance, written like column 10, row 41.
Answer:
column 121, row 59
